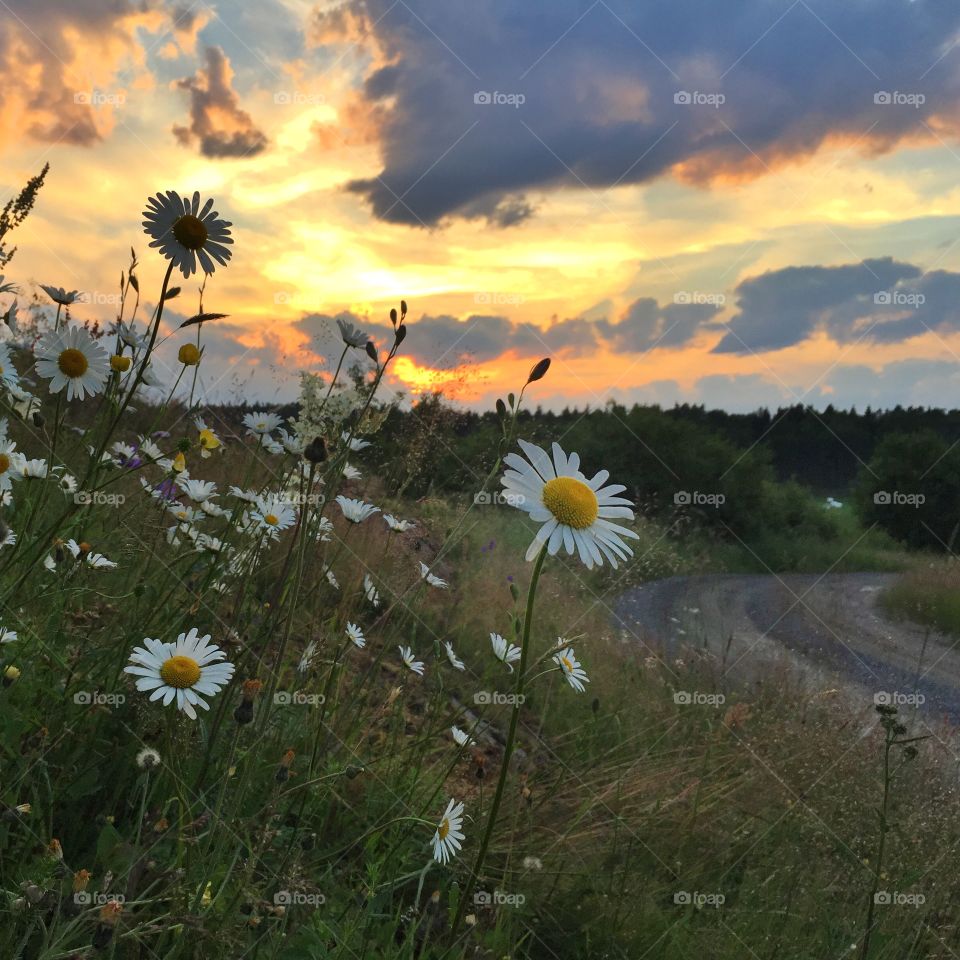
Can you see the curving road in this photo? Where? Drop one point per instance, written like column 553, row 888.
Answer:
column 829, row 629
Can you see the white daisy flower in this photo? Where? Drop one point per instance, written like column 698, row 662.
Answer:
column 7, row 636
column 185, row 671
column 455, row 662
column 356, row 635
column 331, row 578
column 461, row 737
column 410, row 660
column 505, row 652
column 130, row 336
column 575, row 674
column 183, row 514
column 434, row 581
column 356, row 443
column 8, row 372
column 148, row 450
column 68, row 484
column 272, row 446
column 59, row 295
column 575, row 512
column 10, row 463
column 356, row 511
column 197, row 490
column 185, row 233
column 71, row 358
column 397, row 526
column 274, row 515
column 324, row 529
column 352, row 336
column 248, row 496
column 446, row 841
column 260, row 423
column 292, row 443
column 370, row 591
column 37, row 469
column 351, row 473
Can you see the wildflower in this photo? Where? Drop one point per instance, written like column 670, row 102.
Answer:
column 197, row 490
column 575, row 512
column 356, row 635
column 186, row 233
column 461, row 737
column 261, row 423
column 532, row 863
column 71, row 358
column 148, row 759
column 456, row 663
column 370, row 590
column 208, row 440
column 446, row 841
column 575, row 674
column 68, row 484
column 7, row 636
column 274, row 514
column 411, row 662
column 356, row 444
column 120, row 363
column 189, row 354
column 181, row 670
column 59, row 295
column 306, row 659
column 331, row 577
column 8, row 372
column 11, row 675
column 356, row 511
column 352, row 336
column 10, row 463
column 505, row 652
column 178, row 464
column 434, row 581
column 351, row 473
column 244, row 712
column 397, row 526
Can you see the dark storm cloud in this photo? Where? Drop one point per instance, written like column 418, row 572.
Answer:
column 599, row 80
column 876, row 301
column 217, row 122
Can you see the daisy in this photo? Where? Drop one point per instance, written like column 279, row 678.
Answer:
column 68, row 484
column 186, row 233
column 7, row 636
column 10, row 463
column 248, row 496
column 72, row 359
column 455, row 662
column 397, row 526
column 356, row 511
column 505, row 652
column 274, row 515
column 412, row 663
column 575, row 512
column 351, row 473
column 183, row 514
column 272, row 446
column 59, row 295
column 576, row 676
column 356, row 635
column 292, row 443
column 182, row 670
column 8, row 372
column 446, row 841
column 434, row 581
column 260, row 423
column 331, row 578
column 197, row 490
column 352, row 336
column 324, row 529
column 37, row 469
column 356, row 444
column 370, row 590
column 461, row 738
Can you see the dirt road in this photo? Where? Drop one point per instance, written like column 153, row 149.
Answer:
column 829, row 629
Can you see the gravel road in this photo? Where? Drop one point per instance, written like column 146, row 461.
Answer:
column 827, row 628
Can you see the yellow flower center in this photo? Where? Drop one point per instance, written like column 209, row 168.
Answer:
column 4, row 462
column 272, row 519
column 444, row 828
column 180, row 672
column 72, row 363
column 567, row 664
column 190, row 231
column 119, row 363
column 571, row 501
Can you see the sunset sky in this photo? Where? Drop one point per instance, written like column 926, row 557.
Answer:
column 740, row 204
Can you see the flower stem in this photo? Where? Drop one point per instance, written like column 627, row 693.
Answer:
column 508, row 747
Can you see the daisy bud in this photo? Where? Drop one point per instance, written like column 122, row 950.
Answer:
column 371, row 351
column 189, row 355
column 11, row 675
column 401, row 334
column 403, row 308
column 134, row 282
column 316, row 451
column 171, row 293
column 539, row 371
column 393, row 315
column 501, row 408
column 119, row 363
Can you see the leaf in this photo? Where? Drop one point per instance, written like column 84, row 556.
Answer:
column 203, row 318
column 171, row 293
column 134, row 282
